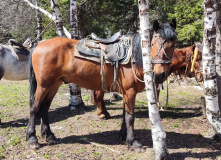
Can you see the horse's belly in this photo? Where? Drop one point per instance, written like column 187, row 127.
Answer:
column 16, row 71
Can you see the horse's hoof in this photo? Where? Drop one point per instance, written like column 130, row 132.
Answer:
column 35, row 145
column 104, row 116
column 217, row 138
column 136, row 144
column 51, row 139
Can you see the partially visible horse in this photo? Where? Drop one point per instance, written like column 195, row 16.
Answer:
column 53, row 62
column 14, row 61
column 183, row 63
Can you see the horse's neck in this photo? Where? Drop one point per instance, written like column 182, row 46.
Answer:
column 181, row 58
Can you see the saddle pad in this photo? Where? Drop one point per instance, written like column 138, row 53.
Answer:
column 126, row 60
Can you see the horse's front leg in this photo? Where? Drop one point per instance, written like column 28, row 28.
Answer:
column 97, row 97
column 127, row 127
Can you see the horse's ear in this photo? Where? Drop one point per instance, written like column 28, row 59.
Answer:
column 156, row 25
column 173, row 23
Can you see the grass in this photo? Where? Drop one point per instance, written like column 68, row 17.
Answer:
column 86, row 126
column 86, row 97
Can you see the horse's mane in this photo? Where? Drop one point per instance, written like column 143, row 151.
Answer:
column 165, row 31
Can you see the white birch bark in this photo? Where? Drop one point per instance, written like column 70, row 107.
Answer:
column 58, row 19
column 52, row 17
column 158, row 135
column 73, row 19
column 218, row 52
column 39, row 20
column 75, row 90
column 209, row 69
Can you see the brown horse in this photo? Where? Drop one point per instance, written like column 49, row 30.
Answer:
column 53, row 62
column 182, row 62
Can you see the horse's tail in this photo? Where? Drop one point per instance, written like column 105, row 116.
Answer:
column 32, row 82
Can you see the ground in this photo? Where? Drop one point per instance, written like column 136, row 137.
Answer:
column 82, row 135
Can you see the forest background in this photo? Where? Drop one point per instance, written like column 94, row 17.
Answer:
column 104, row 17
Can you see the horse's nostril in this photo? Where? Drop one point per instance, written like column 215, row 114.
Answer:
column 162, row 75
column 159, row 77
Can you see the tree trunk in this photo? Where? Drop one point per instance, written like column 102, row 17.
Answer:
column 209, row 69
column 39, row 20
column 58, row 18
column 218, row 52
column 75, row 90
column 73, row 19
column 158, row 135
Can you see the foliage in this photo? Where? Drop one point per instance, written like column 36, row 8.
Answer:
column 103, row 18
column 189, row 16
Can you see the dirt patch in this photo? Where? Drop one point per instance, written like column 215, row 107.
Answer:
column 83, row 136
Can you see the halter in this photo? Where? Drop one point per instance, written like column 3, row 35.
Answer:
column 169, row 61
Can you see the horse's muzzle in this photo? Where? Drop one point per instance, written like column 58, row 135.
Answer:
column 159, row 78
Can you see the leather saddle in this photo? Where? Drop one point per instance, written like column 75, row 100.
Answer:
column 112, row 48
column 18, row 47
column 112, row 39
column 22, row 51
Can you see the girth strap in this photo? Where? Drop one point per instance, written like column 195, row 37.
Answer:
column 103, row 79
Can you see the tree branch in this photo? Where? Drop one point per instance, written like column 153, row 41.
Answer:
column 67, row 34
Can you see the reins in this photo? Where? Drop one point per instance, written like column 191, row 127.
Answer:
column 154, row 61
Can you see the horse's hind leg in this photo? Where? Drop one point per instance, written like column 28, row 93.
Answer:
column 34, row 108
column 45, row 128
column 127, row 128
column 97, row 97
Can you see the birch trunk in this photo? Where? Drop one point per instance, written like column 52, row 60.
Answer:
column 209, row 69
column 58, row 19
column 52, row 17
column 39, row 20
column 73, row 19
column 158, row 135
column 75, row 90
column 218, row 52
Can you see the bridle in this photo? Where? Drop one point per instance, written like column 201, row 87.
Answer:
column 168, row 61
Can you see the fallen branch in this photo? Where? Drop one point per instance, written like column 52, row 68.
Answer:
column 99, row 145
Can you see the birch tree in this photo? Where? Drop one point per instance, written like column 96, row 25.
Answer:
column 58, row 20
column 209, row 69
column 218, row 51
column 39, row 21
column 158, row 135
column 49, row 15
column 73, row 19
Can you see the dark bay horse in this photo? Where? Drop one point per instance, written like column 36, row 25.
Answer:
column 53, row 62
column 182, row 62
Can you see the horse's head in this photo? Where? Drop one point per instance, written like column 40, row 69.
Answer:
column 163, row 42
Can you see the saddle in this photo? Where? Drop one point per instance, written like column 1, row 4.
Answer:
column 20, row 50
column 18, row 47
column 112, row 39
column 113, row 49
